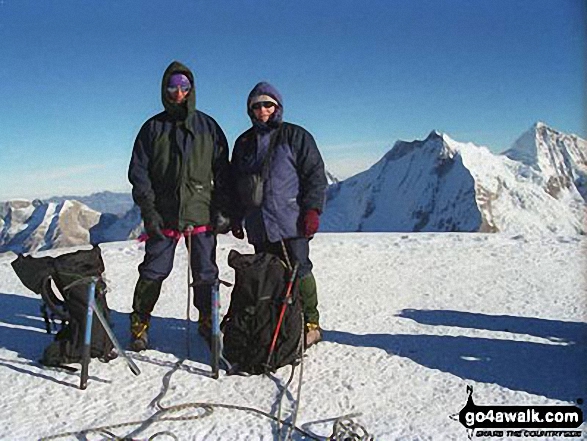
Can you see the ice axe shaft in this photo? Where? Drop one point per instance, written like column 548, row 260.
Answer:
column 215, row 338
column 86, row 351
column 131, row 365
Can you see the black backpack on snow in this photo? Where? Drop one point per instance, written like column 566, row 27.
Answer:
column 38, row 273
column 256, row 302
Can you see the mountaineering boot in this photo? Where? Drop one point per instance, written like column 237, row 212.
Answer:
column 145, row 296
column 139, row 337
column 309, row 295
column 203, row 303
column 313, row 334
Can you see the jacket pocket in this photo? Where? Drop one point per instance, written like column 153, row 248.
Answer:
column 250, row 190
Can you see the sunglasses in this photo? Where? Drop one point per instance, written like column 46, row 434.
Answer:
column 266, row 104
column 173, row 89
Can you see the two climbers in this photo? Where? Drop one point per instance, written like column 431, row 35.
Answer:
column 183, row 184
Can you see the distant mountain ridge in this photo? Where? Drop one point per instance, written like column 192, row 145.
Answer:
column 538, row 186
column 36, row 226
column 105, row 201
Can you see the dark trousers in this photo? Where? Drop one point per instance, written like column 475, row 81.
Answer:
column 298, row 250
column 158, row 263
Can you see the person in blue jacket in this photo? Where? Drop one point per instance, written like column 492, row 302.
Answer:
column 179, row 174
column 293, row 191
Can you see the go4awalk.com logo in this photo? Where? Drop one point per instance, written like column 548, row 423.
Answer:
column 519, row 421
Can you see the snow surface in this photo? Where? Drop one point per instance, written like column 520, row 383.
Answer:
column 410, row 320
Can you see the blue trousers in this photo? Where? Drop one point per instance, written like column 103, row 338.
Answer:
column 158, row 263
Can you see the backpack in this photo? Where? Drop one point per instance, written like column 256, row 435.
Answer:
column 39, row 274
column 256, row 302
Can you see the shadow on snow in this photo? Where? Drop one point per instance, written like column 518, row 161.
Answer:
column 555, row 370
column 23, row 331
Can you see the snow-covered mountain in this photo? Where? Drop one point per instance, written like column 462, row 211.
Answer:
column 35, row 225
column 439, row 184
column 539, row 186
column 561, row 158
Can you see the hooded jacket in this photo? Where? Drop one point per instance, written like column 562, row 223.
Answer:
column 179, row 165
column 295, row 180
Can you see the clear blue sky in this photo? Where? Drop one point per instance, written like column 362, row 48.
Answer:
column 78, row 78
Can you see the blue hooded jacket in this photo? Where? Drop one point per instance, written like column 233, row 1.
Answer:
column 296, row 180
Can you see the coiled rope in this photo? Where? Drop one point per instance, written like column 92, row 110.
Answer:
column 345, row 429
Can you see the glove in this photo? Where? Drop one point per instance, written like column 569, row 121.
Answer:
column 221, row 224
column 237, row 230
column 311, row 222
column 153, row 225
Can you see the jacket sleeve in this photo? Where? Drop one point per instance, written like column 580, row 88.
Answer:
column 311, row 173
column 138, row 174
column 221, row 197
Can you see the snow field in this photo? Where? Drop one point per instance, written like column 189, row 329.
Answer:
column 410, row 320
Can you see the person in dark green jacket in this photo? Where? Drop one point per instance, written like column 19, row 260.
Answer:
column 178, row 171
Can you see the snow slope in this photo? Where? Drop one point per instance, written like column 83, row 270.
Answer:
column 514, row 198
column 562, row 158
column 410, row 320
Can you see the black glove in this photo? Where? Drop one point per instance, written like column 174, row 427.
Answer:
column 237, row 230
column 220, row 224
column 153, row 225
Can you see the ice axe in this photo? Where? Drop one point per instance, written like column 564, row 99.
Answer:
column 86, row 352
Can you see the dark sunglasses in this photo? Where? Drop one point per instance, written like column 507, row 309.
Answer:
column 173, row 89
column 266, row 104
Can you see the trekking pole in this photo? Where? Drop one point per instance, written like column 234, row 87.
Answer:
column 86, row 351
column 286, row 300
column 215, row 340
column 188, row 234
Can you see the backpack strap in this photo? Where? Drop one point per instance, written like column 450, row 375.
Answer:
column 56, row 305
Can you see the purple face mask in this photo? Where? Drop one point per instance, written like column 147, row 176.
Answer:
column 178, row 81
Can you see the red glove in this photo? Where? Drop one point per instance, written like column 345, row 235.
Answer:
column 311, row 222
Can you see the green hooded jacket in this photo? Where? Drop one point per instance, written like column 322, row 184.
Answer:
column 179, row 165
